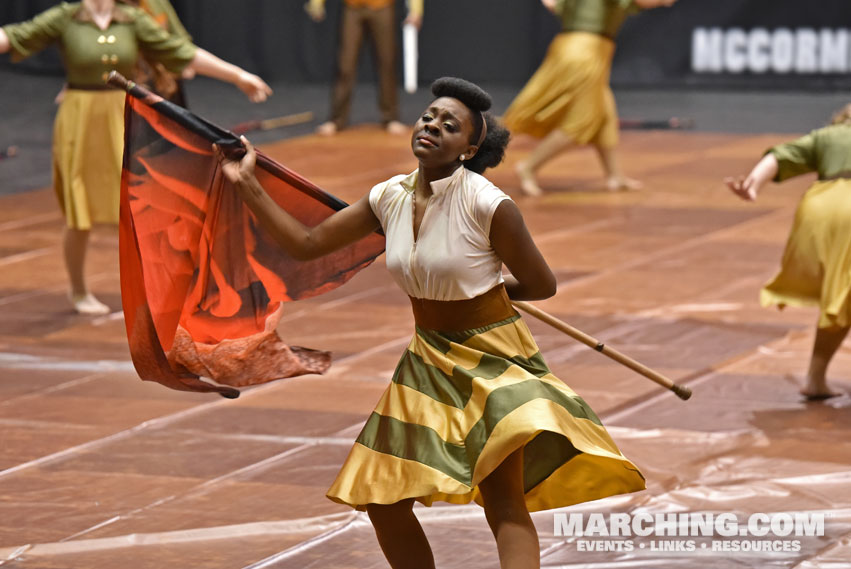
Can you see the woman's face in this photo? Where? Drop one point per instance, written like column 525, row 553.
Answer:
column 442, row 133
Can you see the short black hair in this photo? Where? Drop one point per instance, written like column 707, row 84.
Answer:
column 492, row 150
column 468, row 93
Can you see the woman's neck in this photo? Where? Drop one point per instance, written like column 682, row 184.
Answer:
column 428, row 175
column 99, row 7
column 101, row 12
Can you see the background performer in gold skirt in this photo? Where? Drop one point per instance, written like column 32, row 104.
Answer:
column 96, row 37
column 816, row 267
column 472, row 412
column 568, row 101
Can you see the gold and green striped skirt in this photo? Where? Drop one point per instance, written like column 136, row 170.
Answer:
column 461, row 402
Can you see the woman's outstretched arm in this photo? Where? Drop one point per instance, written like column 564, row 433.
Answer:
column 303, row 243
column 531, row 277
column 205, row 63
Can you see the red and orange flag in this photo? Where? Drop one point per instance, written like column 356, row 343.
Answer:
column 203, row 286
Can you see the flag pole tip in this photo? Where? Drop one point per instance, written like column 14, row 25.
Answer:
column 116, row 79
column 682, row 392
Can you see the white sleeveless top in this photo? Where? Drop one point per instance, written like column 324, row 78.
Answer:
column 452, row 258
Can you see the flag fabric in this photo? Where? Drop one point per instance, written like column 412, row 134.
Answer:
column 203, row 286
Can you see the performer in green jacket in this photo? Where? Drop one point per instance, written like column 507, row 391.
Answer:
column 816, row 266
column 96, row 37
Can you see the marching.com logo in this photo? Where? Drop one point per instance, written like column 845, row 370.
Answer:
column 762, row 532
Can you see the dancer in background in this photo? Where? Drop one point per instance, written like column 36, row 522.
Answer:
column 377, row 18
column 154, row 75
column 472, row 412
column 568, row 101
column 816, row 266
column 96, row 37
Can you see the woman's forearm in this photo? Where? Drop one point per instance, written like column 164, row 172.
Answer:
column 5, row 44
column 765, row 170
column 538, row 291
column 205, row 63
column 514, row 289
column 287, row 231
column 303, row 243
column 208, row 64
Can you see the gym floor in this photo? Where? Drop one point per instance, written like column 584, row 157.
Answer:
column 99, row 469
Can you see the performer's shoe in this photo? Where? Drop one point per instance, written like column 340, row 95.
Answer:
column 327, row 129
column 396, row 128
column 88, row 304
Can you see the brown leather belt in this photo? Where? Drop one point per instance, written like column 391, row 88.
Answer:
column 92, row 87
column 845, row 174
column 456, row 315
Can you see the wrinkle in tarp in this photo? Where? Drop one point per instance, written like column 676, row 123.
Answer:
column 203, row 286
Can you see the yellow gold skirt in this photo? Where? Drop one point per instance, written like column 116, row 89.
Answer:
column 816, row 267
column 459, row 404
column 88, row 143
column 570, row 91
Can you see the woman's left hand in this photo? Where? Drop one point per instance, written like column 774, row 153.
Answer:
column 255, row 88
column 415, row 20
column 746, row 187
column 238, row 172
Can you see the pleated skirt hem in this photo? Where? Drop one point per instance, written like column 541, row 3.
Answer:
column 459, row 404
column 569, row 92
column 816, row 265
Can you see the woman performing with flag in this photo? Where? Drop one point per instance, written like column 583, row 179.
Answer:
column 472, row 412
column 816, row 266
column 96, row 37
column 568, row 101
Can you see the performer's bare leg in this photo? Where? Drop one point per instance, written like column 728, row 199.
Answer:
column 400, row 535
column 508, row 517
column 551, row 146
column 75, row 243
column 615, row 178
column 826, row 344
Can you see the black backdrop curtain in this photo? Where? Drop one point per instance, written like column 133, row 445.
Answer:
column 697, row 43
column 483, row 40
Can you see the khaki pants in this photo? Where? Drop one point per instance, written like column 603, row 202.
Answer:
column 380, row 24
